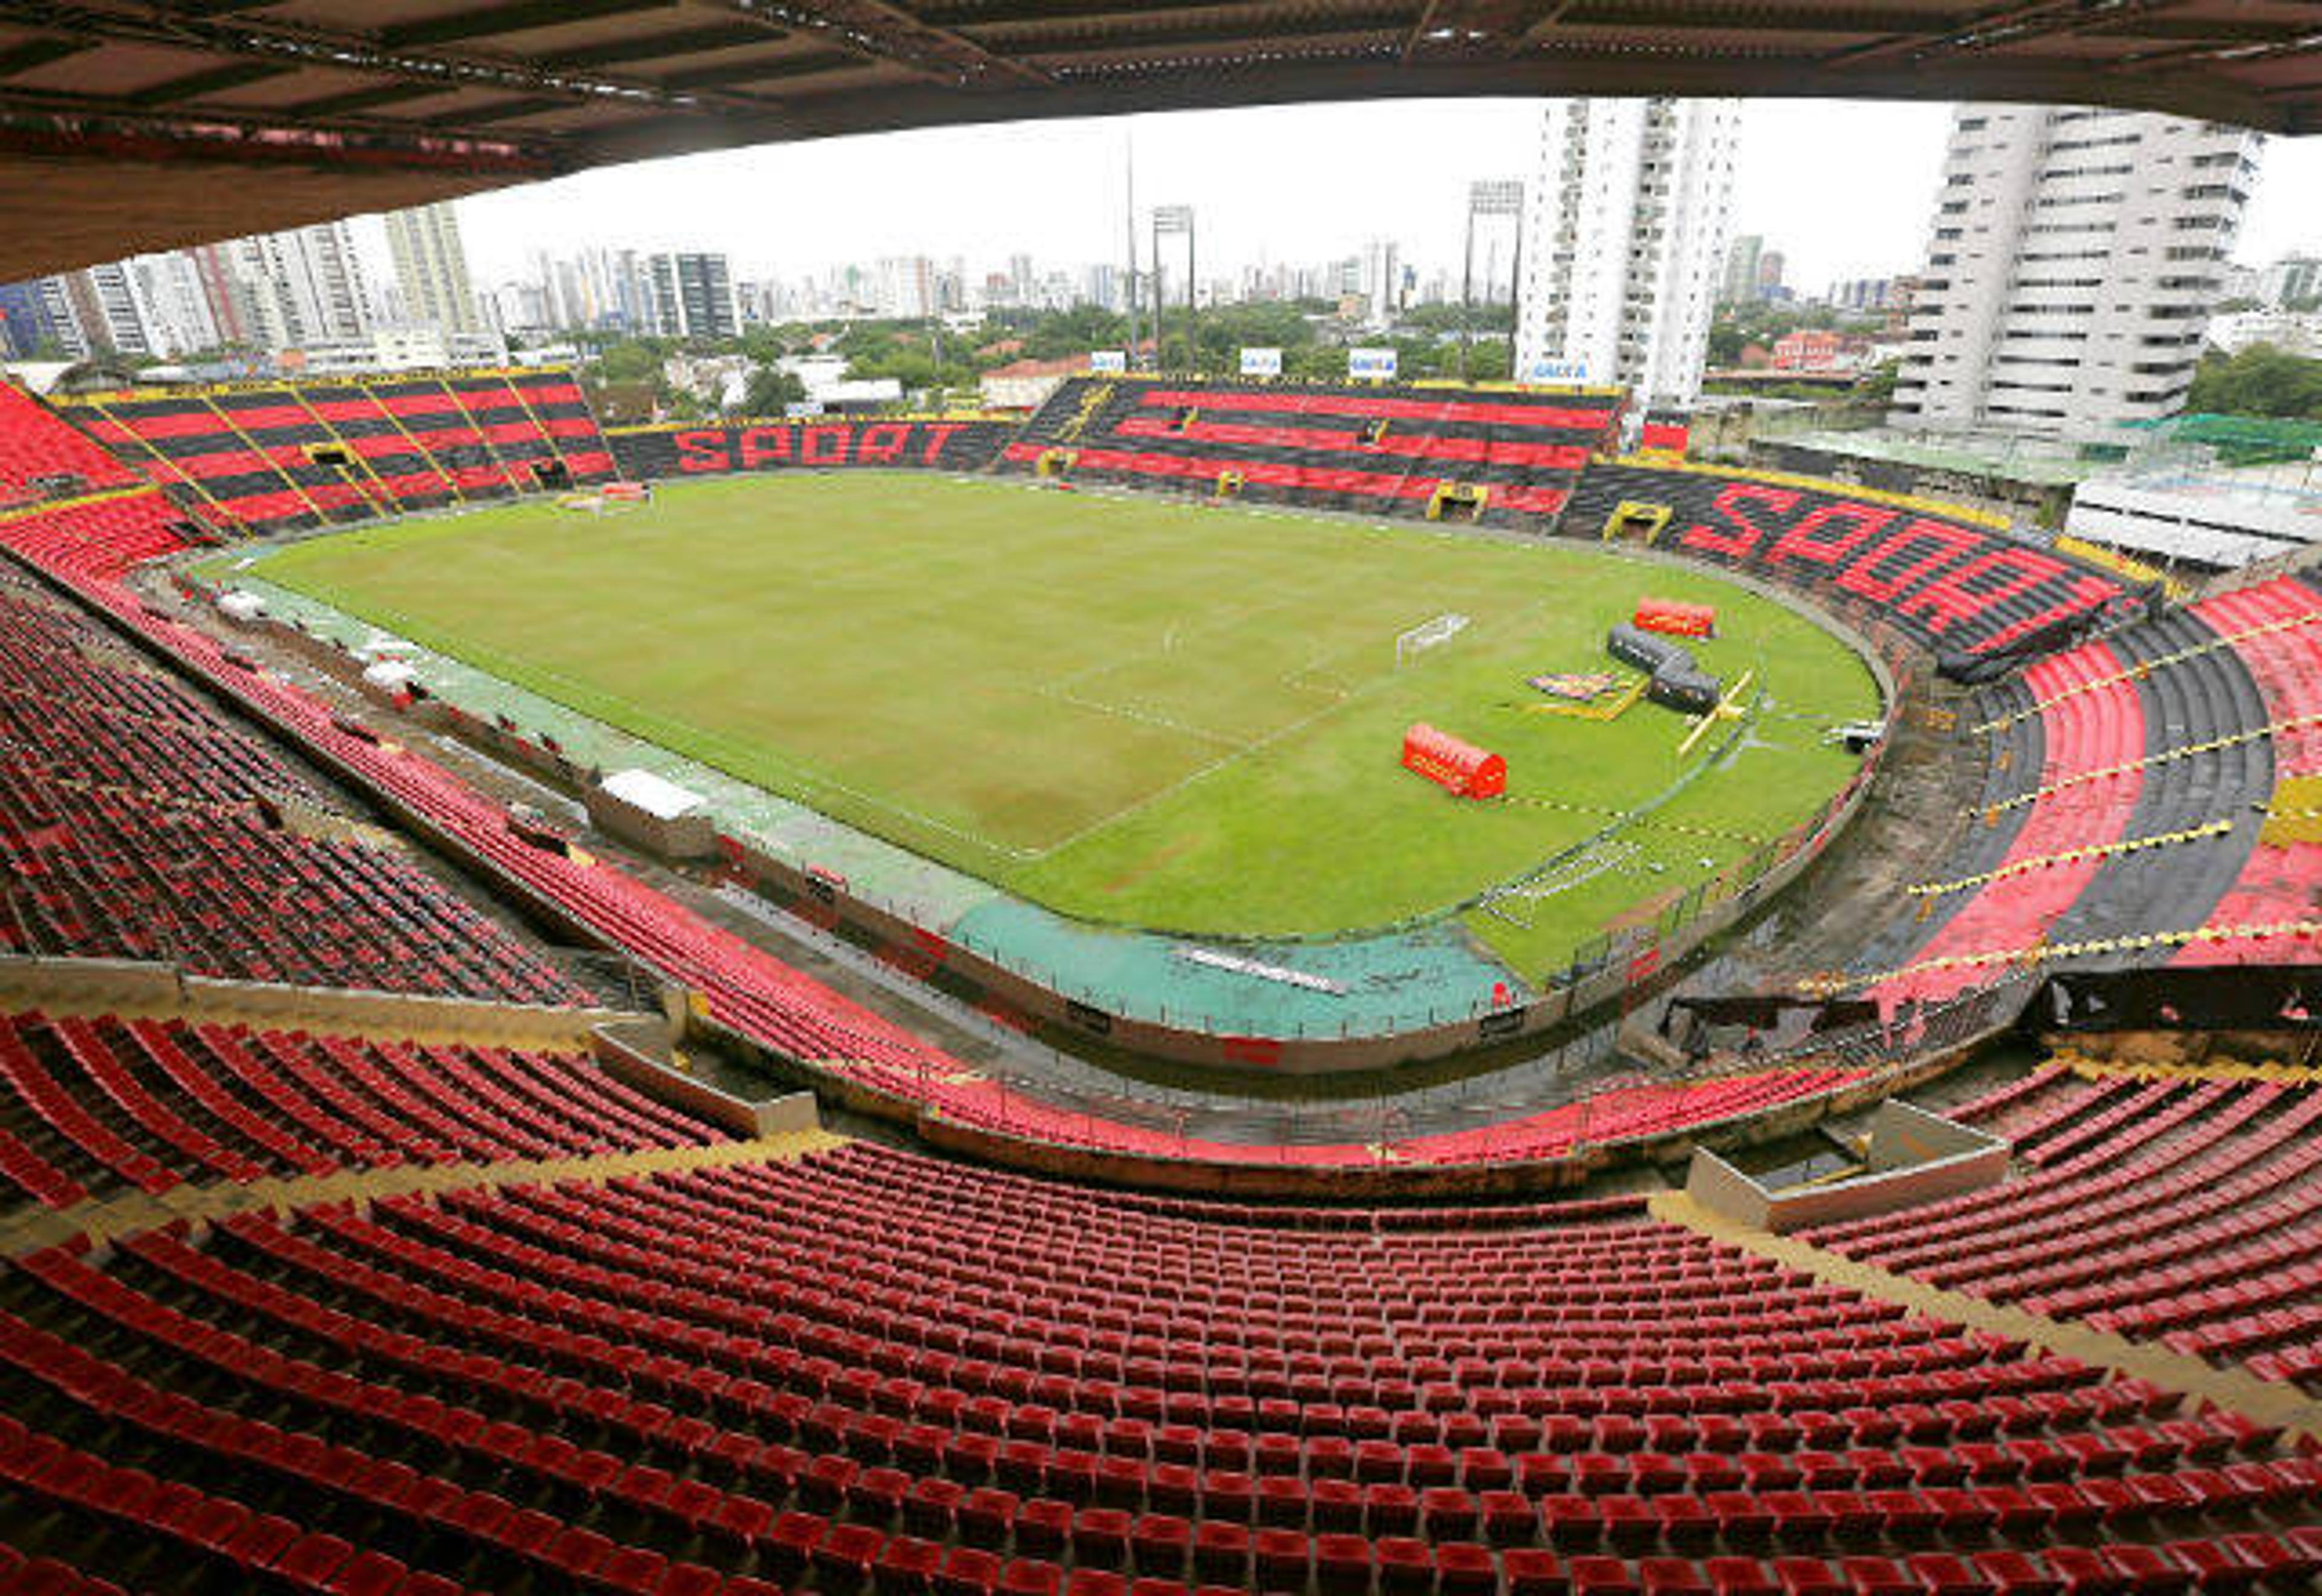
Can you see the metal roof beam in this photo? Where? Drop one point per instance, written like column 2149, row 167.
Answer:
column 2282, row 40
column 195, row 85
column 522, row 16
column 293, row 45
column 1472, row 27
column 39, row 52
column 2007, row 25
column 805, row 64
column 881, row 31
column 654, row 47
column 1384, row 23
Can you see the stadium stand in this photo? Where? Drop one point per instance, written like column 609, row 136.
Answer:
column 94, row 1106
column 2164, row 1206
column 1504, row 457
column 100, row 535
column 134, row 823
column 1978, row 598
column 602, row 1387
column 2126, row 787
column 265, row 457
column 35, row 463
column 941, row 443
column 2273, row 628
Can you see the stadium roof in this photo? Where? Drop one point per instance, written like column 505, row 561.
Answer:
column 133, row 125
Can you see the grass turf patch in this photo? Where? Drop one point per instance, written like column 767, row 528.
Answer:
column 1128, row 710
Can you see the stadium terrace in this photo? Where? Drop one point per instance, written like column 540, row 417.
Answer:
column 1320, row 987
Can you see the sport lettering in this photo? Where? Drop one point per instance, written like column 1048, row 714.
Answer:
column 819, row 445
column 1828, row 534
column 1733, row 504
column 703, row 450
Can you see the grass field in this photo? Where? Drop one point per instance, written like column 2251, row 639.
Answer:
column 1126, row 709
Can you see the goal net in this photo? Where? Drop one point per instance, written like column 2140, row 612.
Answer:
column 1409, row 645
column 612, row 499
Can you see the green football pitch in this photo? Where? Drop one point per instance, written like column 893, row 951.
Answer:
column 1131, row 710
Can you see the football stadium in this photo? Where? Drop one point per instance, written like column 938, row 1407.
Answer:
column 1208, row 985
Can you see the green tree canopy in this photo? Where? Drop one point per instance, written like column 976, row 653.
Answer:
column 2261, row 381
column 770, row 390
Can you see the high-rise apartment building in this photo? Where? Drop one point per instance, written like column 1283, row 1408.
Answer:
column 1382, row 281
column 2076, row 258
column 1624, row 249
column 2295, row 279
column 306, row 286
column 693, row 297
column 432, row 269
column 172, row 305
column 1740, row 284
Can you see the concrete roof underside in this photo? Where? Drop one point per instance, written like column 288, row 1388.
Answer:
column 128, row 125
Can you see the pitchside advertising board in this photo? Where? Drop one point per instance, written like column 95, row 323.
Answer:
column 1370, row 365
column 1261, row 362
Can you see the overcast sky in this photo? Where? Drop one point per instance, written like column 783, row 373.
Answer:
column 1845, row 188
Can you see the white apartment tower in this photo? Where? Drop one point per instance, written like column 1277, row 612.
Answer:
column 306, row 286
column 2074, row 262
column 1625, row 234
column 432, row 269
column 693, row 297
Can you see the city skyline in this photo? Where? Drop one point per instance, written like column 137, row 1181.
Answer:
column 1294, row 183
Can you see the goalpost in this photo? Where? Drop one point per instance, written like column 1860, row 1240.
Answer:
column 1426, row 635
column 611, row 500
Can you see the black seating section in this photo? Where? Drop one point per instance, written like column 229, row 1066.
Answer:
column 1377, row 450
column 1975, row 596
column 936, row 444
column 270, row 456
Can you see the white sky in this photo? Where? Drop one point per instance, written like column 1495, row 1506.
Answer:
column 1844, row 189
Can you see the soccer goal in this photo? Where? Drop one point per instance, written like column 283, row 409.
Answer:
column 612, row 499
column 1409, row 645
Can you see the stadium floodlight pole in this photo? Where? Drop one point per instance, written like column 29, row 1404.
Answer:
column 1466, row 287
column 1128, row 225
column 1496, row 196
column 1173, row 220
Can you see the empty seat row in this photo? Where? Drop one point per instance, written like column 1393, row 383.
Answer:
column 93, row 1104
column 1381, row 450
column 2185, row 1212
column 308, row 452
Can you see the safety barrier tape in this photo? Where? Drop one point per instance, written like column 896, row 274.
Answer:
column 2072, row 856
column 2144, row 667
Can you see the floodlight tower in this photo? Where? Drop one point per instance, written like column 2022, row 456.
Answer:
column 1169, row 220
column 1497, row 197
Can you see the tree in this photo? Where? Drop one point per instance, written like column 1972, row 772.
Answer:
column 632, row 359
column 2261, row 381
column 770, row 390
